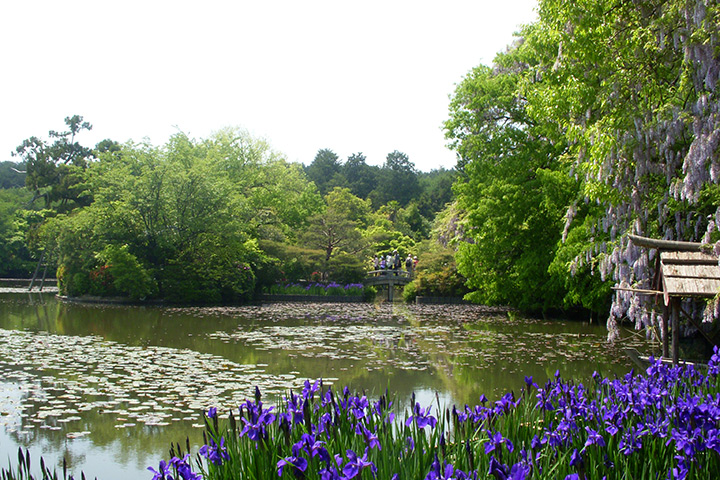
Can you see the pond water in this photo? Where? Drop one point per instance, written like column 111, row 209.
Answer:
column 109, row 387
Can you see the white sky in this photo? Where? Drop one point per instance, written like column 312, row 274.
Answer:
column 370, row 76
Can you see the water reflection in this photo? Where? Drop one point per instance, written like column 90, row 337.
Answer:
column 115, row 385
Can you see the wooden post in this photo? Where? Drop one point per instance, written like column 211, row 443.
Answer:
column 665, row 339
column 675, row 313
column 37, row 269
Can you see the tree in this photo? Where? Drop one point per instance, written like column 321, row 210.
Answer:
column 361, row 177
column 325, row 171
column 398, row 180
column 12, row 175
column 15, row 226
column 336, row 229
column 512, row 189
column 171, row 212
column 435, row 191
column 277, row 196
column 55, row 171
column 641, row 109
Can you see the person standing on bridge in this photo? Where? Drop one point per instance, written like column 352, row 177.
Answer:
column 409, row 264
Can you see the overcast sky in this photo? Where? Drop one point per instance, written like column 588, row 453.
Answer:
column 370, row 76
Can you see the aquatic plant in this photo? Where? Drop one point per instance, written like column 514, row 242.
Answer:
column 24, row 470
column 317, row 288
column 663, row 423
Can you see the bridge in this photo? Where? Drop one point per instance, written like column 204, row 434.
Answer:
column 388, row 279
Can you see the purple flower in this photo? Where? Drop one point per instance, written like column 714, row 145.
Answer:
column 183, row 468
column 422, row 417
column 212, row 412
column 496, row 440
column 214, row 452
column 371, row 438
column 163, row 472
column 594, row 438
column 357, row 464
column 448, row 472
column 576, row 459
column 298, row 463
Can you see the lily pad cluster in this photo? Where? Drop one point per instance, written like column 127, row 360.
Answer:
column 54, row 379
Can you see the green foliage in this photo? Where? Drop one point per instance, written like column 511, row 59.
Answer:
column 15, row 227
column 11, row 175
column 336, row 230
column 128, row 276
column 513, row 190
column 288, row 263
column 324, row 171
column 436, row 275
column 397, row 181
column 346, row 268
column 56, row 171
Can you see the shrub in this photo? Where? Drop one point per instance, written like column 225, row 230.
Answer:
column 122, row 268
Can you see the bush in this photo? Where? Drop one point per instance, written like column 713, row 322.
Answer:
column 128, row 276
column 346, row 268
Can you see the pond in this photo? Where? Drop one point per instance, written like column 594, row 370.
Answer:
column 109, row 387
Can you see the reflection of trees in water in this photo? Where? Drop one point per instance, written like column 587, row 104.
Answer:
column 464, row 350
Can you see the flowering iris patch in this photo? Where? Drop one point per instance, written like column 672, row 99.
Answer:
column 663, row 423
column 318, row 288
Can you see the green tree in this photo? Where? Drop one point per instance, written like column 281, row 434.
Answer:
column 398, row 180
column 325, row 171
column 337, row 228
column 15, row 226
column 171, row 212
column 640, row 109
column 56, row 171
column 12, row 175
column 361, row 177
column 277, row 197
column 512, row 188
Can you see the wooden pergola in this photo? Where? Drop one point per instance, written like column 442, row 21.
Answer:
column 682, row 270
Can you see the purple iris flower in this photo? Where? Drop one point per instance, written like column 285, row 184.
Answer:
column 371, row 438
column 421, row 417
column 496, row 440
column 359, row 405
column 594, row 438
column 214, row 452
column 576, row 459
column 163, row 472
column 448, row 472
column 500, row 471
column 183, row 468
column 212, row 412
column 356, row 464
column 309, row 390
column 298, row 463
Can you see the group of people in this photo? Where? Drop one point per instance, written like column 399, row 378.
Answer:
column 393, row 261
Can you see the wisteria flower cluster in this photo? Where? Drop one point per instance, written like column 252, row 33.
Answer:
column 660, row 424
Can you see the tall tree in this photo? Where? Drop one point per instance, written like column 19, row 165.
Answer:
column 325, row 171
column 511, row 188
column 55, row 171
column 398, row 180
column 361, row 177
column 337, row 228
column 636, row 87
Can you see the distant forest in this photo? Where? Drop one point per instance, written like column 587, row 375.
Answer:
column 601, row 119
